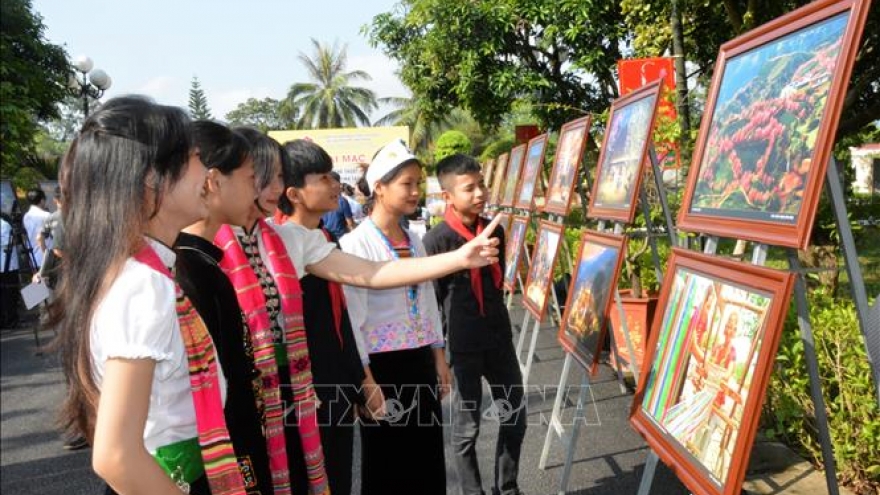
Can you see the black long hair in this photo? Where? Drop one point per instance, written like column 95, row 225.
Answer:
column 127, row 153
column 219, row 147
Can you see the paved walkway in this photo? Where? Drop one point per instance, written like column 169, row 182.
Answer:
column 609, row 459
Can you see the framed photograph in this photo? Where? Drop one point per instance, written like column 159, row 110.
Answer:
column 566, row 163
column 7, row 197
column 623, row 154
column 768, row 131
column 511, row 180
column 525, row 196
column 516, row 237
column 488, row 168
column 540, row 277
column 498, row 179
column 711, row 353
column 590, row 296
column 506, row 219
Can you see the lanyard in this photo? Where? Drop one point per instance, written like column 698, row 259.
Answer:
column 412, row 291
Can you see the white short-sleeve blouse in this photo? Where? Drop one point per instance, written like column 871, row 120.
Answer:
column 137, row 319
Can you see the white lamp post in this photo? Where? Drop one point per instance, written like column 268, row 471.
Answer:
column 86, row 81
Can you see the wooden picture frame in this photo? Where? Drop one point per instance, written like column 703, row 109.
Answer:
column 770, row 123
column 624, row 152
column 539, row 281
column 498, row 179
column 566, row 164
column 488, row 168
column 530, row 182
column 590, row 296
column 512, row 176
column 711, row 353
column 515, row 237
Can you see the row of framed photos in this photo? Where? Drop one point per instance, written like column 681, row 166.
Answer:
column 758, row 169
column 764, row 144
column 709, row 356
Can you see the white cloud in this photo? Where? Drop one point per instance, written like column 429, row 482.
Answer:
column 383, row 70
column 385, row 82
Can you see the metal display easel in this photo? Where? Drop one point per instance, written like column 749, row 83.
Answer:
column 870, row 333
column 569, row 437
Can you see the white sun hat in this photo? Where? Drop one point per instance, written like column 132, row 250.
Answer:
column 391, row 156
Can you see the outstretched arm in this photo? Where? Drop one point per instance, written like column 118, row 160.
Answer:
column 352, row 270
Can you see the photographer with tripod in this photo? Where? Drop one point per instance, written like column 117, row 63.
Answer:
column 14, row 243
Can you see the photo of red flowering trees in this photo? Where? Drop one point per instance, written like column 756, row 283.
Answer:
column 765, row 125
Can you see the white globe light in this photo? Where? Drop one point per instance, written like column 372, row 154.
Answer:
column 99, row 78
column 83, row 63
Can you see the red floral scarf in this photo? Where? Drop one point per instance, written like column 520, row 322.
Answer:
column 253, row 302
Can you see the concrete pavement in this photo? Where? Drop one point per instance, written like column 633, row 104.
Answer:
column 609, row 458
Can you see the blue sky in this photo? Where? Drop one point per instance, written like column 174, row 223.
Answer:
column 238, row 49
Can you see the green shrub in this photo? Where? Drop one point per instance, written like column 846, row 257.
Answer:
column 450, row 143
column 853, row 413
column 503, row 145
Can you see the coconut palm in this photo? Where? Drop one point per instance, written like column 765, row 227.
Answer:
column 330, row 100
column 423, row 131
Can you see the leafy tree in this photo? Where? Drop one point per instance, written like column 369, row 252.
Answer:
column 34, row 76
column 331, row 100
column 450, row 143
column 482, row 56
column 198, row 103
column 267, row 114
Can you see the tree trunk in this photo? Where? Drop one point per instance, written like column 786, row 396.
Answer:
column 824, row 257
column 681, row 87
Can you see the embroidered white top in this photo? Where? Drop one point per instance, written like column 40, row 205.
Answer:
column 137, row 319
column 384, row 317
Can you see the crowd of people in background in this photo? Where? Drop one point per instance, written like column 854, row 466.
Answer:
column 229, row 312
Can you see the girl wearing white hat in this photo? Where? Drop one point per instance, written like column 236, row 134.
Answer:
column 402, row 332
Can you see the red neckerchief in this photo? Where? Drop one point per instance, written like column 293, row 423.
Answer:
column 455, row 224
column 337, row 298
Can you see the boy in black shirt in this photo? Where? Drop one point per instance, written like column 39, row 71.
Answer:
column 477, row 328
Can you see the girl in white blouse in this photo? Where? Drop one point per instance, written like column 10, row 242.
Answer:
column 402, row 332
column 133, row 184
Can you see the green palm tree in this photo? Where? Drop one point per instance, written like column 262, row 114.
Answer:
column 330, row 100
column 422, row 130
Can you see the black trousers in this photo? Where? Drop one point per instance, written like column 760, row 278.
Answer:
column 9, row 297
column 404, row 453
column 501, row 369
column 336, row 427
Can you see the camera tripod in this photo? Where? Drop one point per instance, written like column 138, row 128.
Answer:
column 18, row 247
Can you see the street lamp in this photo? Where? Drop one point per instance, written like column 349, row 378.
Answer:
column 87, row 82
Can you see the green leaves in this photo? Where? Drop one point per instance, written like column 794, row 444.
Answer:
column 484, row 56
column 34, row 76
column 853, row 413
column 330, row 99
column 266, row 115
